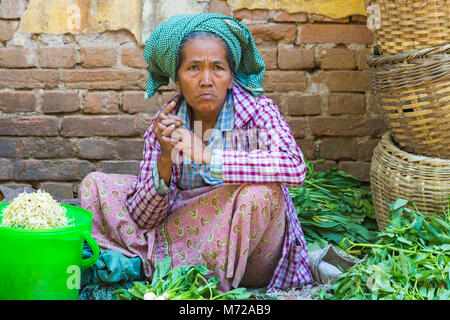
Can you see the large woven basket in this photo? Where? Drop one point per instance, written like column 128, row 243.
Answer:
column 396, row 174
column 411, row 25
column 413, row 92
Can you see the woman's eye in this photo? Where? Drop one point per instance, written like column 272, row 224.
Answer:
column 218, row 68
column 193, row 68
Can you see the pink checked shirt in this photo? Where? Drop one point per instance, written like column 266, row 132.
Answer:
column 280, row 160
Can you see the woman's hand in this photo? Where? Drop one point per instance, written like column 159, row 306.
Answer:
column 163, row 128
column 191, row 145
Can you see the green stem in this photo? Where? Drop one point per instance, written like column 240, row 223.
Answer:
column 378, row 246
column 208, row 285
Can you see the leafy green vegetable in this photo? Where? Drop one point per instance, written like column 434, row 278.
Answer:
column 180, row 283
column 332, row 205
column 409, row 261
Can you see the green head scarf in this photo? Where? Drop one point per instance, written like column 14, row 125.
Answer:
column 161, row 49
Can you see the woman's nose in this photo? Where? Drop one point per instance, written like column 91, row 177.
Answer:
column 205, row 78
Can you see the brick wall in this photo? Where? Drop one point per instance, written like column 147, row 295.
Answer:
column 71, row 104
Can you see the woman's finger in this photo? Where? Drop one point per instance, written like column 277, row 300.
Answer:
column 176, row 118
column 163, row 113
column 168, row 130
column 170, row 140
column 168, row 122
column 172, row 117
column 164, row 125
column 169, row 107
column 177, row 134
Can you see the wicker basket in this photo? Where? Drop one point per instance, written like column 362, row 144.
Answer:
column 411, row 25
column 413, row 92
column 396, row 174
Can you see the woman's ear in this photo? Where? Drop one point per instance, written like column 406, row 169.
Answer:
column 177, row 84
column 230, row 85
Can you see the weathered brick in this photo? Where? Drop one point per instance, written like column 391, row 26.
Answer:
column 6, row 172
column 39, row 148
column 325, row 165
column 303, row 105
column 284, row 16
column 166, row 96
column 17, row 58
column 220, row 6
column 269, row 56
column 45, row 148
column 308, row 147
column 276, row 97
column 338, row 126
column 337, row 58
column 60, row 101
column 57, row 57
column 144, row 121
column 12, row 9
column 295, row 58
column 120, row 167
column 28, row 79
column 111, row 126
column 132, row 57
column 358, row 18
column 336, row 33
column 169, row 87
column 314, row 17
column 372, row 104
column 104, row 79
column 338, row 148
column 365, row 149
column 285, row 81
column 58, row 170
column 344, row 81
column 96, row 149
column 359, row 169
column 58, row 190
column 376, row 127
column 298, row 127
column 116, row 38
column 14, row 147
column 18, row 101
column 129, row 149
column 247, row 14
column 100, row 102
column 347, row 103
column 133, row 102
column 6, row 30
column 98, row 57
column 28, row 126
column 361, row 59
column 12, row 184
column 273, row 32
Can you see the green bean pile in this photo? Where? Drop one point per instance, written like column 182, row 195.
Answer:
column 332, row 205
column 409, row 261
column 179, row 283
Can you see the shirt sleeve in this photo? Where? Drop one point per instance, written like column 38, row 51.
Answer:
column 146, row 206
column 267, row 153
column 161, row 188
column 212, row 173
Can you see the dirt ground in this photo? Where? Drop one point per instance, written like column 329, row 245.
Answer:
column 305, row 293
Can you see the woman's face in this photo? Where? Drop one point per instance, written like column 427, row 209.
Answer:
column 204, row 75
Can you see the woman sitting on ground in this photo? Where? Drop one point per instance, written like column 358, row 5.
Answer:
column 217, row 163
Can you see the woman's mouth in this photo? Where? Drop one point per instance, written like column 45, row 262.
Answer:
column 206, row 96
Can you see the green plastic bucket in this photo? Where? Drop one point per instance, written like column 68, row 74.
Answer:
column 45, row 264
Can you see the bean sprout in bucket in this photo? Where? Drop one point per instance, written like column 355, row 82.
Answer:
column 36, row 210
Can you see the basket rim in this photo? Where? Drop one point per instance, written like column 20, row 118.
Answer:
column 388, row 140
column 375, row 60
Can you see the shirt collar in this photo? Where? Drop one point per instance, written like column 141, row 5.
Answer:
column 244, row 105
column 225, row 121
